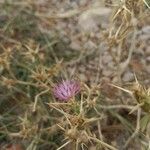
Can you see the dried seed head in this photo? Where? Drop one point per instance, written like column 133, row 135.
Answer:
column 142, row 96
column 72, row 134
column 77, row 121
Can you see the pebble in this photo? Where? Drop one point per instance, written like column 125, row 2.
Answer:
column 107, row 59
column 128, row 76
column 107, row 72
column 148, row 59
column 75, row 45
column 90, row 45
column 90, row 20
column 148, row 68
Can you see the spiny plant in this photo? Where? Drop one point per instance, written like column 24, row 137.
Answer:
column 43, row 111
column 142, row 96
column 45, row 108
column 77, row 120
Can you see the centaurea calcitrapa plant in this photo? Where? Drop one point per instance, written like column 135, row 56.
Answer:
column 77, row 104
column 142, row 96
column 25, row 77
column 44, row 113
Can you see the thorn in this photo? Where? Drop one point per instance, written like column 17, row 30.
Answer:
column 125, row 90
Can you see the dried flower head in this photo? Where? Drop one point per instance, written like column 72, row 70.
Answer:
column 142, row 95
column 66, row 90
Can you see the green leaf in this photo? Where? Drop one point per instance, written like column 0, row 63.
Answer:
column 144, row 122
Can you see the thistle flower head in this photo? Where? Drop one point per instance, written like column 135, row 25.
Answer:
column 66, row 90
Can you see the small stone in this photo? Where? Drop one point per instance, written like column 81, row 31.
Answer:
column 75, row 45
column 90, row 45
column 148, row 68
column 107, row 59
column 107, row 72
column 147, row 50
column 148, row 58
column 82, row 2
column 90, row 20
column 128, row 76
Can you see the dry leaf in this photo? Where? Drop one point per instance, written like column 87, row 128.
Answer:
column 14, row 147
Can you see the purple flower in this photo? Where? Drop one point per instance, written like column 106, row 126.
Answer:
column 66, row 90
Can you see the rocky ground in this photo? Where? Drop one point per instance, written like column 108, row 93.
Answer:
column 95, row 45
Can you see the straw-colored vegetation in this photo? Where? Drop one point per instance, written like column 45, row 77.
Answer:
column 101, row 44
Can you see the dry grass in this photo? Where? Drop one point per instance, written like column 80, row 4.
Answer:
column 107, row 114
